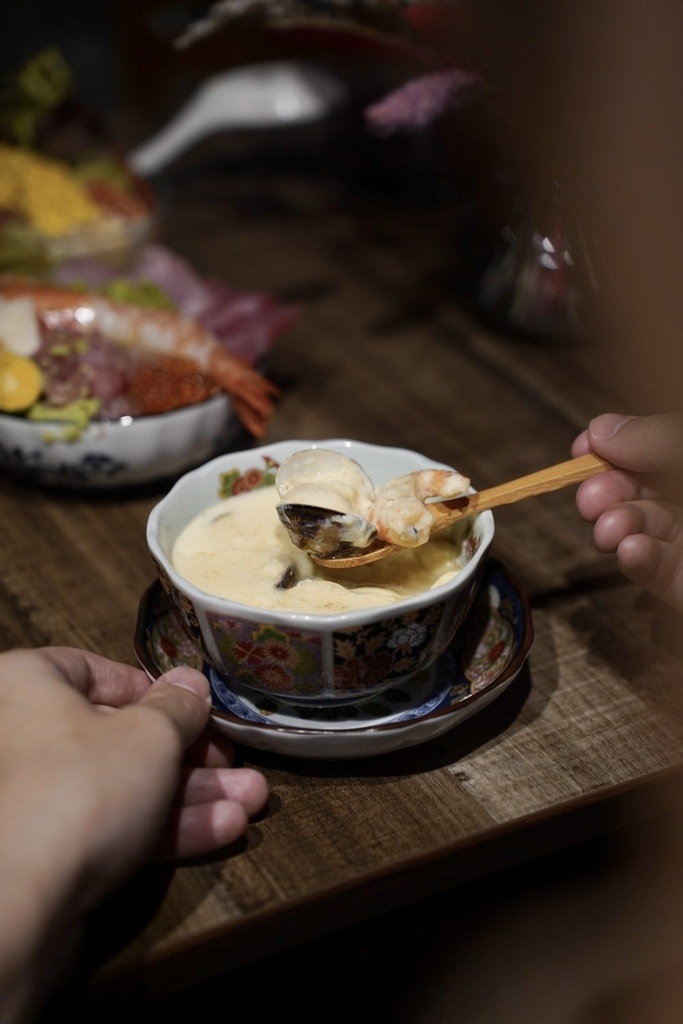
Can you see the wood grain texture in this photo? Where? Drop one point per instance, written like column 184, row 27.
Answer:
column 385, row 351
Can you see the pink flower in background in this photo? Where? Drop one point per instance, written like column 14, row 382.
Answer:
column 420, row 101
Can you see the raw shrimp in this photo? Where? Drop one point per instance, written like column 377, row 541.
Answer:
column 155, row 330
column 400, row 512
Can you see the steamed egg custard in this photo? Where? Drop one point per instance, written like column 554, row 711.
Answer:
column 238, row 549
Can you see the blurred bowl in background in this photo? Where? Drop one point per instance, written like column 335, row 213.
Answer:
column 48, row 215
column 114, row 240
column 123, row 393
column 117, row 453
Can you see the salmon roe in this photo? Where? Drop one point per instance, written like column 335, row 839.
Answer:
column 169, row 382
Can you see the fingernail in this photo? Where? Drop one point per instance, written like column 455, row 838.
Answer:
column 607, row 425
column 189, row 679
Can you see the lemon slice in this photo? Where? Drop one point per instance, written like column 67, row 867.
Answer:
column 21, row 382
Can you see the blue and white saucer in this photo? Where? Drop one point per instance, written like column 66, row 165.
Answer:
column 492, row 648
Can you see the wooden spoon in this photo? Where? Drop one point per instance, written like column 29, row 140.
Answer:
column 564, row 474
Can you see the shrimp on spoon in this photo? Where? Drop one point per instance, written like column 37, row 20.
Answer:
column 404, row 516
column 330, row 507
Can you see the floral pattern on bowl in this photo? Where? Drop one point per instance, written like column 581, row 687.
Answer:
column 466, row 678
column 308, row 664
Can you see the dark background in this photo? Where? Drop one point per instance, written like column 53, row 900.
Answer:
column 84, row 30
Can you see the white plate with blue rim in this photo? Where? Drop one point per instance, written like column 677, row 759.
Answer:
column 472, row 673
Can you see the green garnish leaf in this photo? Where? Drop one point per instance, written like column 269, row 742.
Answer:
column 139, row 293
column 75, row 416
column 43, row 83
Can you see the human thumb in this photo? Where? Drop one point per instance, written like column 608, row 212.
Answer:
column 639, row 444
column 183, row 695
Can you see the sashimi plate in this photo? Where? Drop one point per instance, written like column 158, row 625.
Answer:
column 470, row 675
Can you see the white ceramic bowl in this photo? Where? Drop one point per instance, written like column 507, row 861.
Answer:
column 314, row 658
column 117, row 453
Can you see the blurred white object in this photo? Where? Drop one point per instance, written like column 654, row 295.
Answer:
column 19, row 330
column 267, row 95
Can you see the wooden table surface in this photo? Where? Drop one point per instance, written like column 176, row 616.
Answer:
column 385, row 351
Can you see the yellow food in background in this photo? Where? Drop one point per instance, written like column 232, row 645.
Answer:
column 21, row 382
column 45, row 192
